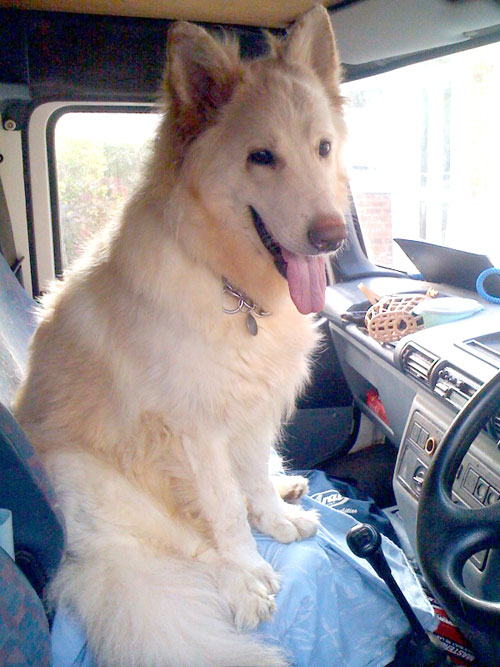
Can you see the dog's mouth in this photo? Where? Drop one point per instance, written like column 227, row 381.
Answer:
column 305, row 274
column 269, row 242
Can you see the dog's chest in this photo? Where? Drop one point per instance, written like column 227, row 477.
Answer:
column 207, row 362
column 274, row 364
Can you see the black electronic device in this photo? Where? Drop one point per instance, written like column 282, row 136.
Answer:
column 440, row 264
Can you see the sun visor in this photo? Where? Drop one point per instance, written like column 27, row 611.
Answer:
column 392, row 28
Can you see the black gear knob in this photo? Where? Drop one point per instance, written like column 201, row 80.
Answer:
column 363, row 540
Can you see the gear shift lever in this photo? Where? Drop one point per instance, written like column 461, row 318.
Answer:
column 365, row 542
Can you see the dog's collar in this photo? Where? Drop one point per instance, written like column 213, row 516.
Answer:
column 244, row 305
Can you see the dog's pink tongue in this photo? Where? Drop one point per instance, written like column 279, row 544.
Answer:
column 306, row 275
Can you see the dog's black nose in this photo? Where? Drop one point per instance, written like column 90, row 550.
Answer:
column 327, row 233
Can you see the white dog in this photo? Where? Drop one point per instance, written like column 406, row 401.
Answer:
column 154, row 395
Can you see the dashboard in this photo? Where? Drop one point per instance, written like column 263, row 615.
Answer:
column 422, row 381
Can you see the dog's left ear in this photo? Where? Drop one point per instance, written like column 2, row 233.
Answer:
column 311, row 42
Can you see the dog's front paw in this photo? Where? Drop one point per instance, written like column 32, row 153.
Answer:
column 291, row 487
column 292, row 524
column 249, row 592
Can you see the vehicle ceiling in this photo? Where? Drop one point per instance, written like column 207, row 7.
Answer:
column 368, row 31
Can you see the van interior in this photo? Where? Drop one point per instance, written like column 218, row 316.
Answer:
column 404, row 403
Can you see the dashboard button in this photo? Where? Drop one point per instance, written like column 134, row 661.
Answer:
column 422, row 437
column 492, row 497
column 481, row 489
column 415, row 432
column 470, row 480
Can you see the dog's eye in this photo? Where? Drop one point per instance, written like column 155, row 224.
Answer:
column 263, row 157
column 324, row 148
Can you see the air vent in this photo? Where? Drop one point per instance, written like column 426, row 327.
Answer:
column 417, row 363
column 455, row 386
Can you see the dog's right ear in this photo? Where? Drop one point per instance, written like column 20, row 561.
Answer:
column 200, row 76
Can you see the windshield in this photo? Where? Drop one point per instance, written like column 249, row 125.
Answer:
column 423, row 155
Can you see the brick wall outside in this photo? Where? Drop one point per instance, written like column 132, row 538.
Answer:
column 374, row 213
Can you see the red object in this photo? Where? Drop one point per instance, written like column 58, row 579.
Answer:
column 375, row 404
column 451, row 639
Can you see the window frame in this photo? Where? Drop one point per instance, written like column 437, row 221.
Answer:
column 52, row 164
column 42, row 174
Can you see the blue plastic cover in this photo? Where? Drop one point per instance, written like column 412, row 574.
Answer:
column 332, row 608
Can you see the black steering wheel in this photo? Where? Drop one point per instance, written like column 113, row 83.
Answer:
column 448, row 534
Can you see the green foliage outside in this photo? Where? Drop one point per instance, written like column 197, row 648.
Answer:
column 93, row 180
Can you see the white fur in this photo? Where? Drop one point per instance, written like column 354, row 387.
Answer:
column 153, row 410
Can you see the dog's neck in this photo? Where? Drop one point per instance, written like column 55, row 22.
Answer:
column 244, row 304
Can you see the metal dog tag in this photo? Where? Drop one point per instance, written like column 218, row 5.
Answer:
column 252, row 325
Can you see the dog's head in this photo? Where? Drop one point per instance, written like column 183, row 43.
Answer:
column 260, row 143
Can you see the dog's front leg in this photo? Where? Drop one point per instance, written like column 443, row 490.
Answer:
column 268, row 512
column 243, row 577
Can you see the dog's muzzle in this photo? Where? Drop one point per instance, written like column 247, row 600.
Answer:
column 326, row 234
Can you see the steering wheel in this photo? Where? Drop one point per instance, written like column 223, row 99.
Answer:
column 448, row 534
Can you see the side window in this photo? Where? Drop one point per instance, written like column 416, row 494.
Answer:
column 98, row 159
column 423, row 154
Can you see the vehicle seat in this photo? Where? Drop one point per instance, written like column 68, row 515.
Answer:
column 24, row 629
column 24, row 490
column 17, row 323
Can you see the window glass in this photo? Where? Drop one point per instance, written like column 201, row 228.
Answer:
column 423, row 155
column 99, row 158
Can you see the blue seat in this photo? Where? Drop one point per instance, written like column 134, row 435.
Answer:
column 24, row 630
column 25, row 491
column 17, row 323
